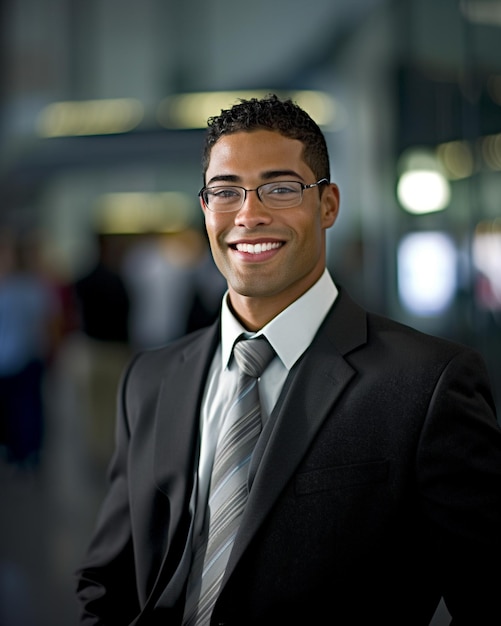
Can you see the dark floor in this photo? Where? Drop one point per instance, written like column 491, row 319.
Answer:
column 46, row 516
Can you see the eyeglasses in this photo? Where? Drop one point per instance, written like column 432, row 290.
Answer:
column 277, row 195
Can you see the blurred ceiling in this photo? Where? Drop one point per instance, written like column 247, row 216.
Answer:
column 443, row 58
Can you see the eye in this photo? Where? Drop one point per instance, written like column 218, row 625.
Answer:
column 282, row 188
column 224, row 193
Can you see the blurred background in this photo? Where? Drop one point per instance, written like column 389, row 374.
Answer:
column 102, row 248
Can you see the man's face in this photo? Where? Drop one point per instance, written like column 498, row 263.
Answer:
column 291, row 256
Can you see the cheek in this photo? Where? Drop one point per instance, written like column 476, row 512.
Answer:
column 310, row 233
column 215, row 230
column 217, row 222
column 212, row 226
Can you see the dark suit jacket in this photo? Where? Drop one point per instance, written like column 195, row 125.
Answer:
column 377, row 487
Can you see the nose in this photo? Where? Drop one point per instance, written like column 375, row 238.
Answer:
column 252, row 212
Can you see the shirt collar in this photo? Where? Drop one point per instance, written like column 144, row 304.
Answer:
column 291, row 332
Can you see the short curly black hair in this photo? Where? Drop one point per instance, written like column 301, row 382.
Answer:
column 271, row 113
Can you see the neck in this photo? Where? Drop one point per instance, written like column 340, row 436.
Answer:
column 252, row 313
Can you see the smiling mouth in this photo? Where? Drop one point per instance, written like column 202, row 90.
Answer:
column 256, row 248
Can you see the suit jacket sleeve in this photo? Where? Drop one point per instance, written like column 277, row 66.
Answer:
column 459, row 483
column 137, row 549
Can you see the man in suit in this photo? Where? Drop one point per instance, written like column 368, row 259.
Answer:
column 375, row 485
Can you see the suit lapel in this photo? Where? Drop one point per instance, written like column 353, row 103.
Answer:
column 324, row 374
column 178, row 412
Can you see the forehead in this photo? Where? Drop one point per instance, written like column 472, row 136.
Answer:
column 252, row 152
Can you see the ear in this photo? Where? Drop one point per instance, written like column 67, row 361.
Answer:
column 330, row 205
column 202, row 204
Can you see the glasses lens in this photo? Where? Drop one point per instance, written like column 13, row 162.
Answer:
column 281, row 195
column 223, row 199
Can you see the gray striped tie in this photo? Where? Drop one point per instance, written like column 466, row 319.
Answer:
column 229, row 482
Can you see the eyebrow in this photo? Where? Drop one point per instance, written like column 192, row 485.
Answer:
column 268, row 175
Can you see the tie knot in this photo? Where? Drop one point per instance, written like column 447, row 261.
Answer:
column 253, row 355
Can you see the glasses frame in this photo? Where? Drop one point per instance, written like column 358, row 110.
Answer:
column 304, row 187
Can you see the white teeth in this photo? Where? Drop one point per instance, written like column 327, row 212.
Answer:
column 256, row 248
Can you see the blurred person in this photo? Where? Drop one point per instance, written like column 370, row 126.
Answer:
column 102, row 349
column 29, row 329
column 173, row 283
column 374, row 488
column 208, row 283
